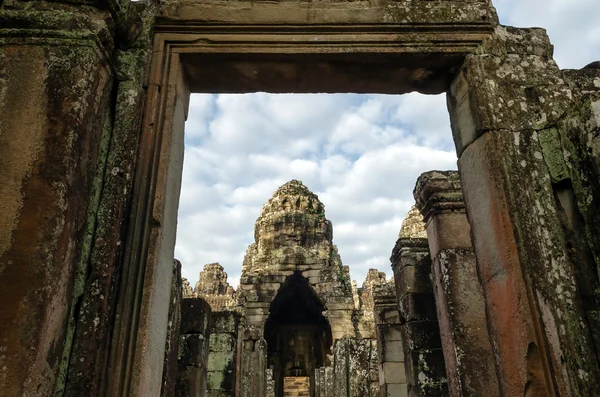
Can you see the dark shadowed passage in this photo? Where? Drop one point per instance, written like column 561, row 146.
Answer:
column 298, row 336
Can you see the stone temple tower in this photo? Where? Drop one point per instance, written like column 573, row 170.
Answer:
column 293, row 251
column 294, row 289
column 300, row 323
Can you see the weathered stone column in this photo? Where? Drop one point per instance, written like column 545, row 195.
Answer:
column 55, row 84
column 324, row 377
column 458, row 294
column 271, row 384
column 223, row 353
column 169, row 376
column 352, row 368
column 504, row 104
column 390, row 349
column 193, row 348
column 424, row 360
column 253, row 374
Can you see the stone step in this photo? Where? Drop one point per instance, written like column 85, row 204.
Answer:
column 296, row 386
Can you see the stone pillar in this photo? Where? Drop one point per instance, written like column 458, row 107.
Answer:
column 424, row 360
column 169, row 375
column 458, row 294
column 193, row 348
column 55, row 85
column 223, row 350
column 341, row 386
column 271, row 383
column 390, row 349
column 253, row 372
column 504, row 104
column 329, row 385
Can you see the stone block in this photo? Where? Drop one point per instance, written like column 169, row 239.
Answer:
column 314, row 274
column 426, row 372
column 396, row 390
column 219, row 361
column 392, row 351
column 499, row 92
column 421, row 335
column 388, row 315
column 195, row 316
column 220, row 342
column 418, row 307
column 394, row 372
column 192, row 350
column 448, row 230
column 191, row 382
column 256, row 319
column 215, row 379
column 414, row 279
column 225, row 322
column 390, row 332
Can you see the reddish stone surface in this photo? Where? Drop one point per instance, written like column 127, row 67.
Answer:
column 62, row 93
column 458, row 293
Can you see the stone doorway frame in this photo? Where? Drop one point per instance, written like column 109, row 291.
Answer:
column 320, row 40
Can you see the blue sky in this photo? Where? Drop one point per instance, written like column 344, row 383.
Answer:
column 360, row 153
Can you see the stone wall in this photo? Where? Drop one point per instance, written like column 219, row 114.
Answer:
column 575, row 178
column 55, row 127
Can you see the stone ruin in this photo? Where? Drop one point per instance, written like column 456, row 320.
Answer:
column 500, row 299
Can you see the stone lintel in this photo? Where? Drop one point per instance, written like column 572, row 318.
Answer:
column 417, row 45
column 438, row 192
column 473, row 16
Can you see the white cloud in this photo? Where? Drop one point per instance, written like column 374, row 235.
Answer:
column 361, row 154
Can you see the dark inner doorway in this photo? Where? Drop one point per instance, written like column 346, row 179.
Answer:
column 298, row 335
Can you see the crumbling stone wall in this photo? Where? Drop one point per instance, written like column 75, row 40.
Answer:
column 353, row 372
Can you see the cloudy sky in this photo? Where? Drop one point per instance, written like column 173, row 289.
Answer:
column 360, row 153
